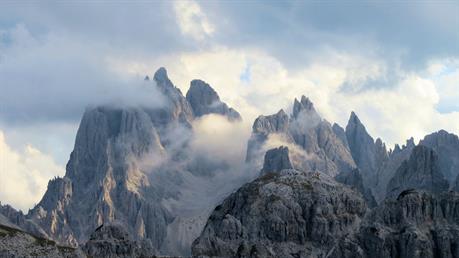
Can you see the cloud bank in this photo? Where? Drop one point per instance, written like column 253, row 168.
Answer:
column 395, row 64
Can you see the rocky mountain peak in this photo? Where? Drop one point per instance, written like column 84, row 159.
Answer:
column 446, row 145
column 276, row 160
column 303, row 105
column 362, row 146
column 420, row 171
column 273, row 123
column 161, row 75
column 205, row 100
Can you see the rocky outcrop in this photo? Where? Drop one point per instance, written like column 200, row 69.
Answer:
column 276, row 160
column 388, row 169
column 421, row 171
column 416, row 224
column 205, row 100
column 367, row 154
column 16, row 219
column 263, row 127
column 446, row 145
column 288, row 214
column 354, row 180
column 114, row 241
column 16, row 243
column 315, row 145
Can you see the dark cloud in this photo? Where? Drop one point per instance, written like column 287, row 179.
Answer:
column 53, row 55
column 412, row 32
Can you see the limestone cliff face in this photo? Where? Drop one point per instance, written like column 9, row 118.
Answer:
column 421, row 171
column 286, row 214
column 276, row 160
column 315, row 145
column 114, row 241
column 446, row 145
column 354, row 180
column 415, row 224
column 104, row 181
column 368, row 155
column 129, row 166
column 388, row 168
column 205, row 100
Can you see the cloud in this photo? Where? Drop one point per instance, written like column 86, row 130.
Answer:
column 219, row 139
column 407, row 108
column 54, row 78
column 24, row 175
column 192, row 20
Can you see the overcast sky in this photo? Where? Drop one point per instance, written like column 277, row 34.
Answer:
column 396, row 63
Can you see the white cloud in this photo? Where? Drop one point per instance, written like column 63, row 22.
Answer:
column 192, row 20
column 219, row 139
column 395, row 113
column 24, row 175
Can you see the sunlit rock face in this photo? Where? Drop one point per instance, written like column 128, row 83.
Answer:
column 421, row 171
column 132, row 165
column 314, row 145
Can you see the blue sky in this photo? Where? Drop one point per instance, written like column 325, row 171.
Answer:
column 396, row 63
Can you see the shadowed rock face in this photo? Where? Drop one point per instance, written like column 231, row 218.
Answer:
column 416, row 224
column 446, row 145
column 387, row 171
column 290, row 214
column 16, row 243
column 276, row 160
column 205, row 100
column 421, row 171
column 354, row 180
column 316, row 145
column 114, row 241
column 367, row 154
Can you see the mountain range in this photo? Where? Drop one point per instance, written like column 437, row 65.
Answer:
column 135, row 185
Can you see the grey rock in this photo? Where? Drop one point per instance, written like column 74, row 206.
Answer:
column 114, row 241
column 416, row 224
column 178, row 110
column 262, row 128
column 316, row 146
column 341, row 134
column 389, row 167
column 276, row 160
column 287, row 214
column 368, row 155
column 446, row 145
column 421, row 171
column 205, row 100
column 17, row 243
column 132, row 165
column 354, row 180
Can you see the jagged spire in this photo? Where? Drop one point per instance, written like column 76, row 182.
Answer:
column 205, row 100
column 161, row 75
column 304, row 104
